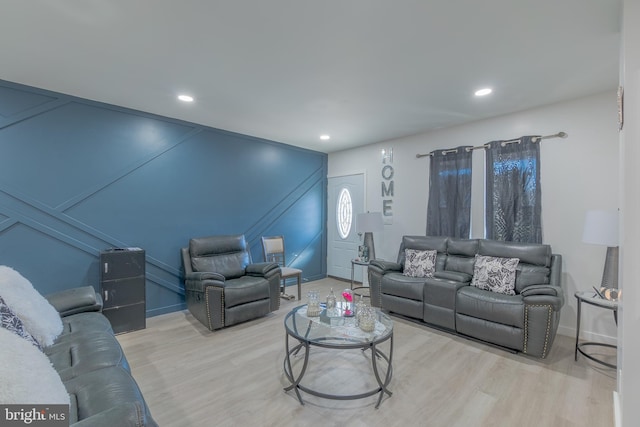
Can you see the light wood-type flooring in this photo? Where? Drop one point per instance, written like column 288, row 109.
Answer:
column 234, row 377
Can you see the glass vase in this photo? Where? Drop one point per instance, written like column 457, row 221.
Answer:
column 313, row 304
column 367, row 319
column 360, row 306
column 348, row 306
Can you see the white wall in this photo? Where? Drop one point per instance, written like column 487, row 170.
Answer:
column 578, row 173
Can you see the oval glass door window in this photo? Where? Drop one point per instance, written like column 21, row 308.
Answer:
column 344, row 213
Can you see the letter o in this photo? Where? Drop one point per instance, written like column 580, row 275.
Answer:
column 388, row 169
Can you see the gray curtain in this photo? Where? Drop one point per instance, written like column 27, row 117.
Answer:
column 513, row 194
column 449, row 206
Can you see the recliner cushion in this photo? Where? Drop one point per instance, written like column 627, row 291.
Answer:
column 399, row 285
column 85, row 322
column 454, row 276
column 424, row 243
column 245, row 289
column 530, row 253
column 460, row 264
column 108, row 396
column 528, row 274
column 486, row 305
column 78, row 353
column 226, row 255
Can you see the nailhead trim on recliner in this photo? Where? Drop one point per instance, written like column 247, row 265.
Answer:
column 526, row 327
column 206, row 299
column 379, row 286
column 209, row 311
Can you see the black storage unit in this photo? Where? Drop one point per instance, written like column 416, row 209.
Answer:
column 122, row 283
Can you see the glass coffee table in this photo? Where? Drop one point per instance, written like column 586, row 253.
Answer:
column 337, row 333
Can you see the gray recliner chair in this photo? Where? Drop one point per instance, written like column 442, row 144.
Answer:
column 222, row 285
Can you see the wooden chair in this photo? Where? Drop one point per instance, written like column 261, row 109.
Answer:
column 273, row 250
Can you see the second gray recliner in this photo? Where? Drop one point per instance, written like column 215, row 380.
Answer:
column 222, row 285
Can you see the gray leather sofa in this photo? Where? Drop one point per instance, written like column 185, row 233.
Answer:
column 223, row 286
column 525, row 322
column 92, row 365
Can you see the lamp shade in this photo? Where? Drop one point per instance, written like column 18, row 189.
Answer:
column 368, row 222
column 601, row 228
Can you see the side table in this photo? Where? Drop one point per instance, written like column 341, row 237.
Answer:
column 589, row 297
column 355, row 262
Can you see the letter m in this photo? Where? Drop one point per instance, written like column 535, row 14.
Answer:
column 387, row 191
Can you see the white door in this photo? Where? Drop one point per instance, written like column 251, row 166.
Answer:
column 346, row 200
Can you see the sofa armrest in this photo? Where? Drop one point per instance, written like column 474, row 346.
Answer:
column 261, row 268
column 201, row 285
column 555, row 301
column 75, row 300
column 376, row 271
column 204, row 275
column 385, row 266
column 541, row 290
column 272, row 273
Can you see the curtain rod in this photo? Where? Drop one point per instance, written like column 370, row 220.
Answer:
column 534, row 139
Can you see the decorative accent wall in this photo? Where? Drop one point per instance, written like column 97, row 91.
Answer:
column 78, row 177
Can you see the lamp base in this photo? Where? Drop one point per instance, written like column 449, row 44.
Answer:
column 368, row 242
column 610, row 273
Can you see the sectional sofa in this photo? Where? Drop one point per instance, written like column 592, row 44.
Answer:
column 60, row 350
column 503, row 293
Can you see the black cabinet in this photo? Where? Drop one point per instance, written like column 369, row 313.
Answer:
column 122, row 283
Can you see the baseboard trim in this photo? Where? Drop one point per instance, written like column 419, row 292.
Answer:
column 587, row 335
column 617, row 416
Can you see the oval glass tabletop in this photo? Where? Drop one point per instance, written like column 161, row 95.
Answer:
column 335, row 330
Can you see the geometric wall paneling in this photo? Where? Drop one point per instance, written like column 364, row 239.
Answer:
column 49, row 222
column 48, row 262
column 165, row 292
column 78, row 177
column 16, row 103
column 303, row 230
column 85, row 146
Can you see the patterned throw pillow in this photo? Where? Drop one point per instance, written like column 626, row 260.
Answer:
column 495, row 274
column 11, row 322
column 419, row 263
column 38, row 316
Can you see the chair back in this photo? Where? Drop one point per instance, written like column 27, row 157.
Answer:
column 273, row 250
column 227, row 255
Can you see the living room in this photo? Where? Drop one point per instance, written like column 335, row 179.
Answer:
column 75, row 182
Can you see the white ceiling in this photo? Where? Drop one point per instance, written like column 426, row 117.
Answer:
column 363, row 71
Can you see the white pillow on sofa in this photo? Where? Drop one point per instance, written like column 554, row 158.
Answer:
column 27, row 374
column 39, row 317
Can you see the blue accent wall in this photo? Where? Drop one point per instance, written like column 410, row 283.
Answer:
column 78, row 177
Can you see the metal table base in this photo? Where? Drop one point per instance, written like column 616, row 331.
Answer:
column 376, row 353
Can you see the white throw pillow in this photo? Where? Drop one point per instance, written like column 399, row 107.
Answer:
column 495, row 274
column 27, row 374
column 419, row 263
column 39, row 317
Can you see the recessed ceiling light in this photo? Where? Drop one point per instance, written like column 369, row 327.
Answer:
column 325, row 137
column 185, row 98
column 483, row 92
